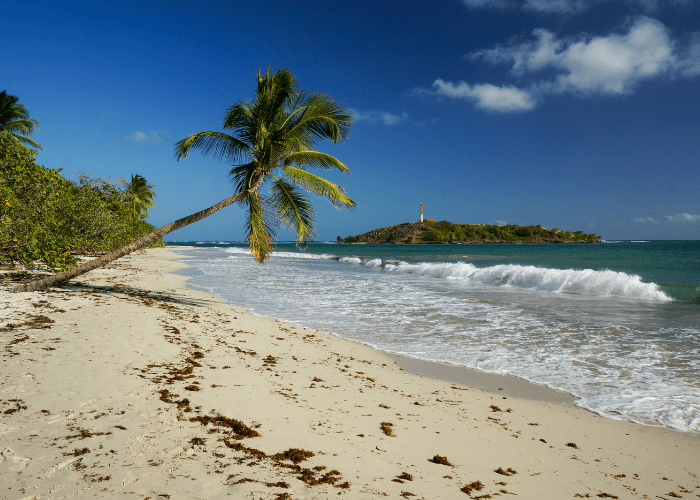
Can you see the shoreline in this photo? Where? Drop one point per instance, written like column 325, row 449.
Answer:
column 129, row 383
column 500, row 384
column 495, row 383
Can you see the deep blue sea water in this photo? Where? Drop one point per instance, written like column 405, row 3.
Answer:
column 616, row 324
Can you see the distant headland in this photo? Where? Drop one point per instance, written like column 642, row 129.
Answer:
column 448, row 232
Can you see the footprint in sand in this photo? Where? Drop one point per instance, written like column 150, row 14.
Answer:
column 16, row 463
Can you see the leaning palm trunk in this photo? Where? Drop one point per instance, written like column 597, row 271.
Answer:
column 131, row 247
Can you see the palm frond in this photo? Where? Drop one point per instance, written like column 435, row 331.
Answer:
column 260, row 232
column 315, row 159
column 243, row 176
column 219, row 144
column 320, row 186
column 21, row 140
column 295, row 210
column 323, row 118
column 25, row 127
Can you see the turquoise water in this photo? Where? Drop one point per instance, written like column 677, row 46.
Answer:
column 617, row 324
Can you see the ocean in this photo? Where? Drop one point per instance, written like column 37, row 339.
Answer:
column 616, row 323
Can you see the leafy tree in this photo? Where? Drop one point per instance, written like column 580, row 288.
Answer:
column 141, row 194
column 14, row 121
column 45, row 218
column 273, row 141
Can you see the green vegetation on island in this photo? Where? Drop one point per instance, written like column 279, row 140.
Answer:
column 448, row 232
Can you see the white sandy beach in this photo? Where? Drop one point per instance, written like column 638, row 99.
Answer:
column 126, row 383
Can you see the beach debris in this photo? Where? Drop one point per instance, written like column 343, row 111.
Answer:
column 278, row 484
column 386, row 428
column 572, row 445
column 606, row 495
column 316, row 379
column 294, row 455
column 406, row 476
column 77, row 453
column 473, row 486
column 437, row 459
column 239, row 429
column 406, row 494
column 507, row 472
column 382, row 405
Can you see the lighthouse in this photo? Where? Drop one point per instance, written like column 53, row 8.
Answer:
column 421, row 212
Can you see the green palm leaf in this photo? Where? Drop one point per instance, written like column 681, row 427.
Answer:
column 14, row 121
column 260, row 230
column 315, row 159
column 320, row 186
column 295, row 210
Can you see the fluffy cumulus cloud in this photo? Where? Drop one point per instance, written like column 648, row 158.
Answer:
column 585, row 65
column 681, row 218
column 140, row 137
column 379, row 117
column 612, row 64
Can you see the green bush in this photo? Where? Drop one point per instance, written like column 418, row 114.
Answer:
column 46, row 218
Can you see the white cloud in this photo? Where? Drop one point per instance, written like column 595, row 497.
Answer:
column 610, row 64
column 684, row 217
column 645, row 220
column 554, row 5
column 140, row 137
column 689, row 61
column 505, row 99
column 501, row 223
column 567, row 6
column 585, row 65
column 375, row 117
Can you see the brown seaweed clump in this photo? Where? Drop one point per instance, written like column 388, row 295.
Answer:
column 239, row 429
column 437, row 459
column 406, row 476
column 507, row 472
column 386, row 427
column 294, row 455
column 475, row 485
column 572, row 445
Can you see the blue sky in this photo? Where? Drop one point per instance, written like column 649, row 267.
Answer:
column 575, row 114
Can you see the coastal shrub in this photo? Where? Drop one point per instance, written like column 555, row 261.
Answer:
column 46, row 218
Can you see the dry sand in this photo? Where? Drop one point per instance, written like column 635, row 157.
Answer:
column 126, row 383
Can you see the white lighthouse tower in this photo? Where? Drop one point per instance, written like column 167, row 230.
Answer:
column 421, row 212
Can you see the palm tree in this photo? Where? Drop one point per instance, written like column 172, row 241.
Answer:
column 275, row 134
column 273, row 139
column 15, row 122
column 141, row 194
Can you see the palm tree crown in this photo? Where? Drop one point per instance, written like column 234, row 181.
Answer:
column 141, row 194
column 273, row 139
column 15, row 122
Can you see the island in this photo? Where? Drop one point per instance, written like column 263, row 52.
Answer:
column 448, row 232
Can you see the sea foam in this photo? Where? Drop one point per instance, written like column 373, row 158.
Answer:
column 584, row 282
